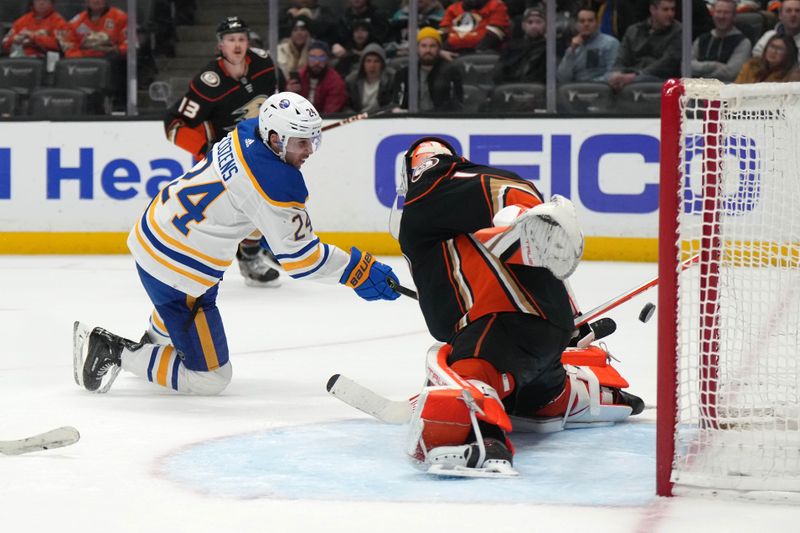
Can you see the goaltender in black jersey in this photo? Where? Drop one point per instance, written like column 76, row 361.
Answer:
column 231, row 88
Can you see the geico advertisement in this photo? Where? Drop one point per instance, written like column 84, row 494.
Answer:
column 99, row 176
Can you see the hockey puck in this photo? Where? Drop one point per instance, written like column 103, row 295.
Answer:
column 647, row 312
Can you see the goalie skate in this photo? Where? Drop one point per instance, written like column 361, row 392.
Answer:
column 489, row 471
column 96, row 358
column 462, row 461
column 550, row 237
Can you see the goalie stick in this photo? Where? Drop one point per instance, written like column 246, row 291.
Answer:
column 625, row 296
column 584, row 318
column 372, row 403
column 55, row 438
column 399, row 411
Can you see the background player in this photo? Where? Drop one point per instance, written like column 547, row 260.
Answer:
column 188, row 236
column 231, row 88
column 488, row 258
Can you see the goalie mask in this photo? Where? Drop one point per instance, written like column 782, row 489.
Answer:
column 411, row 167
column 295, row 121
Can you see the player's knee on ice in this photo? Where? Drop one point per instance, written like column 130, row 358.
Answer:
column 205, row 383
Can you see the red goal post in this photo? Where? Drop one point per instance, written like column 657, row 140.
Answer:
column 729, row 327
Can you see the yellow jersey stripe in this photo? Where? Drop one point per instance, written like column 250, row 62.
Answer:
column 303, row 263
column 158, row 322
column 203, row 331
column 163, row 366
column 153, row 224
column 169, row 265
column 253, row 179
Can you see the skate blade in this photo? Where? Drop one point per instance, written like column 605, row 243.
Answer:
column 108, row 380
column 498, row 471
column 80, row 348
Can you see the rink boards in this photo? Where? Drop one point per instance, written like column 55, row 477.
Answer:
column 88, row 181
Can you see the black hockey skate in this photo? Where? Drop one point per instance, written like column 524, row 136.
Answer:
column 257, row 269
column 625, row 398
column 96, row 357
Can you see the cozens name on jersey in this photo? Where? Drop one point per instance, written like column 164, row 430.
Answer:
column 226, row 161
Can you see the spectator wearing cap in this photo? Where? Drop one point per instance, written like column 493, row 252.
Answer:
column 523, row 59
column 370, row 87
column 362, row 36
column 322, row 20
column 293, row 50
column 440, row 82
column 475, row 25
column 590, row 54
column 39, row 31
column 319, row 83
column 429, row 13
column 362, row 10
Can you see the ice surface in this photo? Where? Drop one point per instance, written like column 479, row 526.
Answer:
column 152, row 460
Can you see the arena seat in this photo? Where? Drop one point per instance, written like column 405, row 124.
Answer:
column 8, row 103
column 517, row 97
column 643, row 98
column 62, row 103
column 21, row 74
column 477, row 69
column 87, row 74
column 585, row 97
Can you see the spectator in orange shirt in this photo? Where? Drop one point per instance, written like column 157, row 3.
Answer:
column 101, row 31
column 39, row 31
column 475, row 25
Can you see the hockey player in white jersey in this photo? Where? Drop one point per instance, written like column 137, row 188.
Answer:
column 188, row 236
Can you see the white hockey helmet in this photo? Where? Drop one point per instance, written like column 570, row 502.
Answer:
column 289, row 115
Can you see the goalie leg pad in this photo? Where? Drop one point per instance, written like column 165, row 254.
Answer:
column 447, row 413
column 584, row 402
column 490, row 408
column 550, row 237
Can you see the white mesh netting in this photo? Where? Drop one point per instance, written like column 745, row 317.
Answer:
column 738, row 317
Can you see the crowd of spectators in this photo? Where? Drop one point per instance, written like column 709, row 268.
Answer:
column 354, row 57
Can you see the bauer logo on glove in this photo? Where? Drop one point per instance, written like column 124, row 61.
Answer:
column 368, row 277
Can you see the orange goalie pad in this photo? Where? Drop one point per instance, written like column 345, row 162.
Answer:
column 597, row 358
column 446, row 417
column 483, row 370
column 493, row 411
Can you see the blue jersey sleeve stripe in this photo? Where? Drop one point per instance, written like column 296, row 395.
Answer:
column 304, row 250
column 175, row 367
column 175, row 256
column 150, row 366
column 319, row 265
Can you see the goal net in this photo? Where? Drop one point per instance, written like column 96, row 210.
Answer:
column 729, row 323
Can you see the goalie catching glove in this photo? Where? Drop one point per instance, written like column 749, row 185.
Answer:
column 368, row 277
column 549, row 237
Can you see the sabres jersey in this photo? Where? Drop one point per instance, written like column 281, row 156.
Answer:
column 188, row 235
column 446, row 233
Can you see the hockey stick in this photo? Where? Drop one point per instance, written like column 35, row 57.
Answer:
column 625, row 296
column 402, row 290
column 372, row 403
column 354, row 118
column 55, row 438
